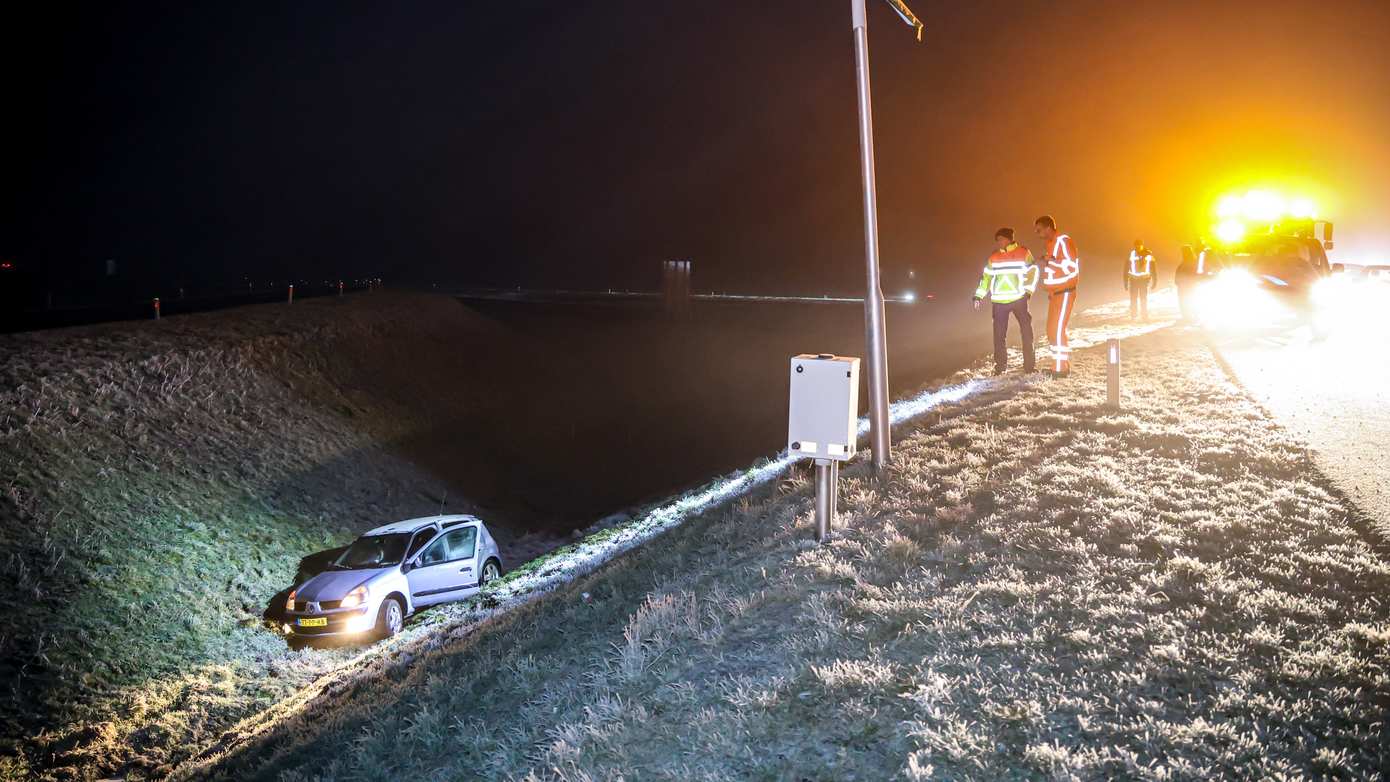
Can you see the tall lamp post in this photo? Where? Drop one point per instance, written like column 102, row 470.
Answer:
column 876, row 337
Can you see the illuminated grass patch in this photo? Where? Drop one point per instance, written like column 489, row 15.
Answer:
column 1066, row 604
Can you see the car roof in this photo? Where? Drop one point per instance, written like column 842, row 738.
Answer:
column 410, row 525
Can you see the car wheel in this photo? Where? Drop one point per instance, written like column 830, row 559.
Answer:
column 389, row 618
column 492, row 570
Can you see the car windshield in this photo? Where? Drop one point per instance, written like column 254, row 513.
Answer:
column 372, row 551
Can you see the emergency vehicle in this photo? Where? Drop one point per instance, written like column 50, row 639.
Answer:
column 1269, row 265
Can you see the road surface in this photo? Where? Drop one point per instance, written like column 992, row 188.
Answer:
column 1335, row 395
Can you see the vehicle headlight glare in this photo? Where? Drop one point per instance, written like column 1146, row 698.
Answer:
column 1230, row 230
column 1350, row 308
column 360, row 624
column 355, row 598
column 1235, row 300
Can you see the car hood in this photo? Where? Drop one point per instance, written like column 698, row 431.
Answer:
column 335, row 584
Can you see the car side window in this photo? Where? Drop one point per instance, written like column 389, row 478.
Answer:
column 463, row 543
column 421, row 538
column 437, row 552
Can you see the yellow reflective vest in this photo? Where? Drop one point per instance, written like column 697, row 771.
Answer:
column 1010, row 274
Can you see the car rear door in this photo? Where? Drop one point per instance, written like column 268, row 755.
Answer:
column 447, row 568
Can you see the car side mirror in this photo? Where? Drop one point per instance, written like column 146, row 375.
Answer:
column 406, row 567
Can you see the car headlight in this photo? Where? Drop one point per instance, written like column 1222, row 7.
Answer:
column 360, row 624
column 1234, row 299
column 289, row 604
column 355, row 598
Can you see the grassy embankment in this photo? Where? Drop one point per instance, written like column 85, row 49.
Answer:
column 1041, row 588
column 160, row 482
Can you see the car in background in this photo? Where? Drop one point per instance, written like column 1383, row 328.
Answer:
column 1264, row 281
column 391, row 573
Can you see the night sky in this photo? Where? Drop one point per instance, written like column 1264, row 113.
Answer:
column 576, row 144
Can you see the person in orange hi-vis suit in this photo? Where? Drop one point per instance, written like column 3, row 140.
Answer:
column 1061, row 270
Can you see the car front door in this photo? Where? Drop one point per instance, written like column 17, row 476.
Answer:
column 446, row 569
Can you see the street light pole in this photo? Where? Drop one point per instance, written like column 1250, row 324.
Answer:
column 875, row 336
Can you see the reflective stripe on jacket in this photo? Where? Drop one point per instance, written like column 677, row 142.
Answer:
column 1140, row 265
column 1064, row 268
column 1010, row 274
column 1205, row 263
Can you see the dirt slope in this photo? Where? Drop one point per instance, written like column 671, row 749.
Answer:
column 159, row 482
column 1043, row 588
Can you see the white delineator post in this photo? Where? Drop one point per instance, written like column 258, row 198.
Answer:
column 1112, row 373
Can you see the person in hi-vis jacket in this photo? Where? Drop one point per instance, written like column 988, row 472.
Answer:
column 1009, row 279
column 1141, row 276
column 1061, row 271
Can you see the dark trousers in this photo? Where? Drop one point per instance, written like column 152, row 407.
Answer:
column 1019, row 309
column 1139, row 298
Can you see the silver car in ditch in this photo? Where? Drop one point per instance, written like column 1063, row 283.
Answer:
column 390, row 573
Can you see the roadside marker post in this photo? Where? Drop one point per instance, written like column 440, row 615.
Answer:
column 340, row 289
column 156, row 308
column 291, row 301
column 823, row 423
column 1112, row 373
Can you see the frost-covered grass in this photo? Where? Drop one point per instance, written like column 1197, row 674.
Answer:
column 1040, row 588
column 158, row 484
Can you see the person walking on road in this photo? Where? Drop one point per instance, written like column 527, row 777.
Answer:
column 1141, row 276
column 1009, row 279
column 1061, row 272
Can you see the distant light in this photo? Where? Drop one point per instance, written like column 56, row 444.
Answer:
column 1231, row 230
column 6, row 265
column 1264, row 206
column 1303, row 207
column 909, row 297
column 1229, row 206
column 931, row 297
